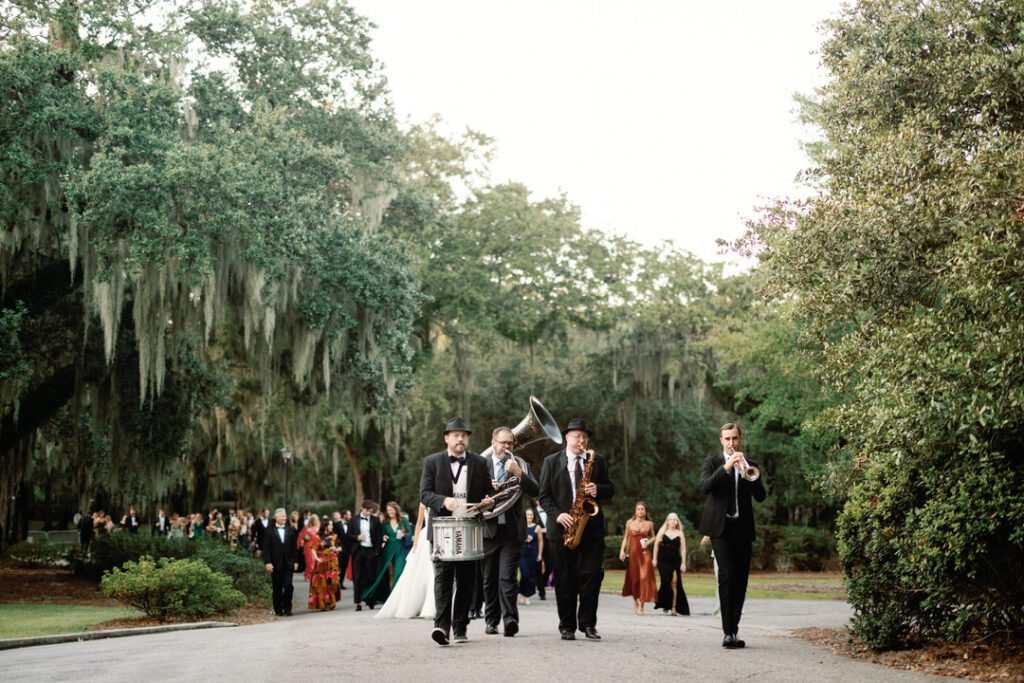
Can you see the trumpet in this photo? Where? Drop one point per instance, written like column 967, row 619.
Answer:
column 748, row 471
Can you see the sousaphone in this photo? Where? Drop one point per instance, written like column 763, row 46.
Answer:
column 537, row 425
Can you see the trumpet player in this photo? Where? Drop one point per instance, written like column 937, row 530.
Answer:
column 730, row 480
column 578, row 572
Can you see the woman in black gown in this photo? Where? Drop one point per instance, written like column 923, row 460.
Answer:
column 670, row 559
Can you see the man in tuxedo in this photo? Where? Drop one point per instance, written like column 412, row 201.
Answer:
column 366, row 536
column 341, row 531
column 578, row 571
column 504, row 536
column 259, row 529
column 451, row 479
column 161, row 525
column 279, row 554
column 131, row 520
column 729, row 520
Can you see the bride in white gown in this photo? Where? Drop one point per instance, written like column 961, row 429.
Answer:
column 413, row 595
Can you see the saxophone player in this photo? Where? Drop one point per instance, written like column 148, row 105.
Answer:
column 578, row 571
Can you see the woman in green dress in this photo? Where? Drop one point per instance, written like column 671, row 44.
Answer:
column 392, row 558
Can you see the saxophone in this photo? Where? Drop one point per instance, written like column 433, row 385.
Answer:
column 583, row 508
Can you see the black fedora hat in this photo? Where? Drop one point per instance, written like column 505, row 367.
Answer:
column 577, row 423
column 456, row 424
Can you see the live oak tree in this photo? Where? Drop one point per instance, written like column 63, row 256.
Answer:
column 906, row 270
column 190, row 195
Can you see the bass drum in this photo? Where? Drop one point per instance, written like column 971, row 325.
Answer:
column 458, row 539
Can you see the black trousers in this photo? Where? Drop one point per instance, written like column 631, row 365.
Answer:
column 282, row 589
column 501, row 559
column 732, row 553
column 452, row 613
column 543, row 574
column 364, row 571
column 578, row 576
column 343, row 566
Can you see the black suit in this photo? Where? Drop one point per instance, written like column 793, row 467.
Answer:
column 364, row 558
column 731, row 538
column 503, row 546
column 345, row 543
column 161, row 526
column 578, row 572
column 435, row 485
column 283, row 556
column 259, row 529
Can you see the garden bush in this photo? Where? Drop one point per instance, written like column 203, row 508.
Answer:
column 248, row 575
column 36, row 554
column 172, row 589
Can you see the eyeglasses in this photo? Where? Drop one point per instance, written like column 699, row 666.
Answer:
column 507, row 443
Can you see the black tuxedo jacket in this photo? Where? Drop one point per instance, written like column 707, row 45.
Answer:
column 376, row 536
column 259, row 528
column 161, row 527
column 718, row 486
column 515, row 515
column 556, row 494
column 436, row 483
column 282, row 555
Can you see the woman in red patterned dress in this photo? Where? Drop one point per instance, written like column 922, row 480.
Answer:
column 318, row 567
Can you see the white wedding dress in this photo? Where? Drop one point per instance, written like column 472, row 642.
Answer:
column 413, row 595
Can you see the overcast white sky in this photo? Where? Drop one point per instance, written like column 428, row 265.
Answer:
column 661, row 119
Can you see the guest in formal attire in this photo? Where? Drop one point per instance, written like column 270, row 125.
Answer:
column 280, row 558
column 451, row 479
column 131, row 521
column 367, row 537
column 198, row 528
column 86, row 530
column 530, row 558
column 547, row 563
column 504, row 536
column 413, row 596
column 345, row 543
column 636, row 543
column 177, row 527
column 259, row 529
column 729, row 520
column 578, row 571
column 161, row 524
column 321, row 576
column 670, row 561
column 392, row 559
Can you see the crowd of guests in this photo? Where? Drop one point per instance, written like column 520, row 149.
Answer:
column 323, row 548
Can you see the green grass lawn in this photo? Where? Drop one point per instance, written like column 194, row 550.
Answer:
column 776, row 586
column 24, row 620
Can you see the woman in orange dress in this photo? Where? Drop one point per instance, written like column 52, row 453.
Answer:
column 319, row 570
column 640, row 581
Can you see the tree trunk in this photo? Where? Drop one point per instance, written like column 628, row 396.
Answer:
column 357, row 474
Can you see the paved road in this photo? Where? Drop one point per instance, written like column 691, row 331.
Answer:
column 348, row 646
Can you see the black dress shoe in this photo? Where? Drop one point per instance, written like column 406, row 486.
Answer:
column 729, row 641
column 476, row 614
column 371, row 605
column 568, row 636
column 287, row 614
column 491, row 630
column 739, row 643
column 460, row 637
column 591, row 633
column 511, row 628
column 439, row 636
column 359, row 608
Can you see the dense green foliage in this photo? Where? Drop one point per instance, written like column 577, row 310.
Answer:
column 247, row 574
column 906, row 272
column 36, row 554
column 172, row 589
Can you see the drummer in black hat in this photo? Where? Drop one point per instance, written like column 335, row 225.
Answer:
column 578, row 571
column 451, row 479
